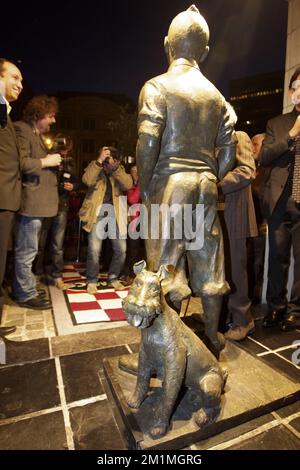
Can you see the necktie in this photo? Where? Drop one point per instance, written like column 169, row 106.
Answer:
column 296, row 172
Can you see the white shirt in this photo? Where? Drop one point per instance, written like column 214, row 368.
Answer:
column 3, row 100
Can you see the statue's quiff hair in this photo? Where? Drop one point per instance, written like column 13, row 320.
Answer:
column 188, row 34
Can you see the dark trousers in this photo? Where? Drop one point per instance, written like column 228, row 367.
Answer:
column 135, row 252
column 238, row 299
column 6, row 225
column 256, row 256
column 284, row 233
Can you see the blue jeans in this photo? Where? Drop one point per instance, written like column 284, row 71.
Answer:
column 27, row 240
column 94, row 250
column 54, row 228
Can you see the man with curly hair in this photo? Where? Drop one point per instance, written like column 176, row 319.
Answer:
column 39, row 197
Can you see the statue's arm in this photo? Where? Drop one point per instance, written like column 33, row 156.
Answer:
column 151, row 124
column 226, row 143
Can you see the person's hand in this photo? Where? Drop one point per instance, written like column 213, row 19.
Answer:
column 113, row 164
column 51, row 160
column 103, row 154
column 68, row 186
column 295, row 131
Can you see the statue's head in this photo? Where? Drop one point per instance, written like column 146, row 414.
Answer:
column 143, row 302
column 188, row 36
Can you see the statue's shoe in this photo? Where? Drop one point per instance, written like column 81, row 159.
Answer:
column 129, row 363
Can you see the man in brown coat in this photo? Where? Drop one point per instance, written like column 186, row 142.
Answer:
column 240, row 221
column 39, row 197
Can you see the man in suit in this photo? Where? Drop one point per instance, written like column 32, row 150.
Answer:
column 11, row 160
column 39, row 197
column 240, row 223
column 10, row 184
column 185, row 143
column 282, row 213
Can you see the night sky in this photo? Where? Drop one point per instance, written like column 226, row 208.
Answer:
column 116, row 45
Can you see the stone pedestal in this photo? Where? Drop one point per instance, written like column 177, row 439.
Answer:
column 252, row 389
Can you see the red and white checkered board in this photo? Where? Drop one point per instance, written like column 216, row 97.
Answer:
column 106, row 305
column 76, row 273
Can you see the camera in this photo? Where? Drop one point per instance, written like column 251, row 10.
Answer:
column 63, row 144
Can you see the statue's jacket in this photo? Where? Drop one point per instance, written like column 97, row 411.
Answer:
column 190, row 116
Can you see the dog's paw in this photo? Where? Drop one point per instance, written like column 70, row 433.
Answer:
column 134, row 401
column 207, row 415
column 158, row 430
column 202, row 418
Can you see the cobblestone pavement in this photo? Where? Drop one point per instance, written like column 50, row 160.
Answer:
column 31, row 324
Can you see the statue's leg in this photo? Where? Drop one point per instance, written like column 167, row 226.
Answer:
column 174, row 366
column 142, row 383
column 211, row 387
column 206, row 267
column 212, row 307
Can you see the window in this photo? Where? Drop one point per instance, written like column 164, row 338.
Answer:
column 88, row 146
column 89, row 124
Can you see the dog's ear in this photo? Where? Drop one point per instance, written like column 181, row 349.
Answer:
column 139, row 266
column 165, row 272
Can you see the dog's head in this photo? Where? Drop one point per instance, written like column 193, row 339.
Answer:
column 143, row 302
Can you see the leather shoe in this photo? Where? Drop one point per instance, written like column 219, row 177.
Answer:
column 290, row 322
column 273, row 318
column 238, row 333
column 7, row 330
column 36, row 303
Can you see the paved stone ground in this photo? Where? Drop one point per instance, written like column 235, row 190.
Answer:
column 51, row 398
column 31, row 324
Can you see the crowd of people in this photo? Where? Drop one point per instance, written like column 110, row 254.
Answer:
column 257, row 196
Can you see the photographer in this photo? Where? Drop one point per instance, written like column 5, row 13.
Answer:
column 53, row 229
column 106, row 180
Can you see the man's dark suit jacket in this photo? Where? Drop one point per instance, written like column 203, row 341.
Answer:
column 12, row 161
column 40, row 191
column 276, row 155
column 10, row 179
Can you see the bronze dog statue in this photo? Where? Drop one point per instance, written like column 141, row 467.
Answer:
column 171, row 350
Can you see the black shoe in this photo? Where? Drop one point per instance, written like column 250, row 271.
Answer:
column 290, row 322
column 36, row 303
column 41, row 293
column 273, row 318
column 7, row 330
